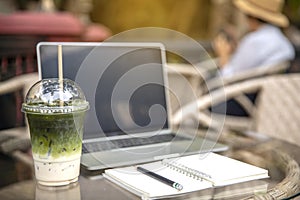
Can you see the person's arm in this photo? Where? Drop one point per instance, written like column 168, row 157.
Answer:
column 223, row 48
column 224, row 44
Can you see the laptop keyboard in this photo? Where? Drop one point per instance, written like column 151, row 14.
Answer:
column 122, row 143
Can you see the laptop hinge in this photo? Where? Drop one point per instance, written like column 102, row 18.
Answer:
column 129, row 135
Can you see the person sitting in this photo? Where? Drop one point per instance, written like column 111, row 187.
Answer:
column 264, row 45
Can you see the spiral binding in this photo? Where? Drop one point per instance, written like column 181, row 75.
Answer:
column 193, row 173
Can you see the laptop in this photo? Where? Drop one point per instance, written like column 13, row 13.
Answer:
column 129, row 118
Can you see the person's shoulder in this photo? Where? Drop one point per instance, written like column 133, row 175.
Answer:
column 252, row 38
column 262, row 35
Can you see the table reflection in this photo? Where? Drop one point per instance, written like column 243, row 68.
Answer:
column 71, row 191
column 280, row 158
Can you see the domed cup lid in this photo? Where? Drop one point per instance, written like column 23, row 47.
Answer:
column 50, row 96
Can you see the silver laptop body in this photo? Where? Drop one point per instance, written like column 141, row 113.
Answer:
column 126, row 86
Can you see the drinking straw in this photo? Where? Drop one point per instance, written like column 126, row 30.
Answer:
column 60, row 73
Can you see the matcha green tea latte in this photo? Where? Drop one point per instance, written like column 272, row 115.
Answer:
column 56, row 117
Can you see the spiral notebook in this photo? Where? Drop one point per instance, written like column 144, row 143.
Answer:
column 194, row 173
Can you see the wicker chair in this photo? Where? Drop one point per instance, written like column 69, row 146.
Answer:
column 275, row 115
column 188, row 82
column 218, row 81
column 15, row 142
column 184, row 81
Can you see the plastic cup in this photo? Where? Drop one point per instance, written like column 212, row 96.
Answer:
column 55, row 113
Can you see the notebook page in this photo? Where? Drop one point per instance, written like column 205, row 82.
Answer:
column 221, row 169
column 148, row 187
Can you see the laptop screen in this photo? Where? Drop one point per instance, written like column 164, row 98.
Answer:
column 124, row 84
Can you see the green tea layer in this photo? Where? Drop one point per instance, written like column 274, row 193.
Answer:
column 56, row 135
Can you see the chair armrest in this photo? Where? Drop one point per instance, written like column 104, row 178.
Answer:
column 246, row 75
column 24, row 81
column 15, row 142
column 215, row 97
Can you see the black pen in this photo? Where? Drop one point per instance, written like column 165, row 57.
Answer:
column 160, row 178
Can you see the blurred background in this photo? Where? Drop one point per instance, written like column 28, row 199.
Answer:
column 199, row 19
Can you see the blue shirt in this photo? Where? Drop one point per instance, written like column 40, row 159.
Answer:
column 261, row 48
